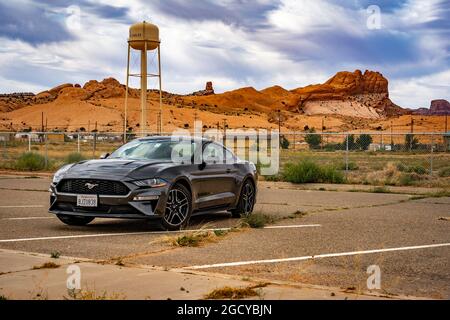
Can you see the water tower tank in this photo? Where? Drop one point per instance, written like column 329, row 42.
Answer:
column 144, row 32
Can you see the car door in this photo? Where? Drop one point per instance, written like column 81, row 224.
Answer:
column 214, row 180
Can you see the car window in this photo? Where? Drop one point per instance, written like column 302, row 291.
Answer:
column 155, row 150
column 183, row 151
column 213, row 153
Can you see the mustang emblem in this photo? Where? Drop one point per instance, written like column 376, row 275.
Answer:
column 91, row 186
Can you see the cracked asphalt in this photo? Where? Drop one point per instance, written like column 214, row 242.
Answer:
column 347, row 222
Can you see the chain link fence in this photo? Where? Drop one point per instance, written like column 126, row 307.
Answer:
column 365, row 158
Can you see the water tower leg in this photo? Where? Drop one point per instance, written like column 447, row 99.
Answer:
column 126, row 98
column 160, row 124
column 144, row 90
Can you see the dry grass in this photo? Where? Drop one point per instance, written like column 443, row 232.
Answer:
column 236, row 293
column 195, row 238
column 47, row 265
column 88, row 294
column 257, row 220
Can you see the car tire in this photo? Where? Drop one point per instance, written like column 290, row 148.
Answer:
column 178, row 208
column 246, row 201
column 74, row 220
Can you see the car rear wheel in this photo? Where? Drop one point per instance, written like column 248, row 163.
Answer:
column 246, row 201
column 178, row 208
column 75, row 220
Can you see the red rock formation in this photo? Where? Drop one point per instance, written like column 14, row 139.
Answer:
column 368, row 90
column 439, row 107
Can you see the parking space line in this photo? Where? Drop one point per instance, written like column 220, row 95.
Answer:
column 136, row 233
column 294, row 226
column 328, row 255
column 24, row 206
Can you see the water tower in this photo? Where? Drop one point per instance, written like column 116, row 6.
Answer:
column 144, row 37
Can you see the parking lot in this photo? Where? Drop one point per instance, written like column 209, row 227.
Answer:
column 323, row 238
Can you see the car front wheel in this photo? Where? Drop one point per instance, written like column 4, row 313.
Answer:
column 178, row 208
column 246, row 201
column 75, row 220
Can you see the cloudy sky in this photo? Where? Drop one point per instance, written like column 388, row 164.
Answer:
column 233, row 43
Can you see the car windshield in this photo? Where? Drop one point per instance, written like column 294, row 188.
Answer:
column 155, row 150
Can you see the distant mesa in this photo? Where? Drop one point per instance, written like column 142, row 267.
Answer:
column 346, row 94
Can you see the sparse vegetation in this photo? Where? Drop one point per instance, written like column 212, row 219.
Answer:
column 444, row 172
column 55, row 254
column 3, row 297
column 74, row 157
column 307, row 171
column 257, row 220
column 30, row 161
column 195, row 239
column 236, row 293
column 47, row 265
column 87, row 294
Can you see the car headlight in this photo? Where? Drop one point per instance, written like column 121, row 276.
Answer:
column 253, row 167
column 152, row 183
column 60, row 173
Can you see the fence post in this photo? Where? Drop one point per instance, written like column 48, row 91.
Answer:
column 46, row 150
column 431, row 155
column 346, row 154
column 95, row 145
column 29, row 142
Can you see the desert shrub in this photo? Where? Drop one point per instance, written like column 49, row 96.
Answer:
column 284, row 142
column 313, row 140
column 411, row 169
column 444, row 172
column 30, row 161
column 351, row 166
column 408, row 179
column 257, row 220
column 307, row 171
column 411, row 142
column 74, row 157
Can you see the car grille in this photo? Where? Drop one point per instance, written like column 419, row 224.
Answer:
column 101, row 187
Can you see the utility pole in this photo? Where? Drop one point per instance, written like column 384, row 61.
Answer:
column 446, row 122
column 412, row 125
column 42, row 121
column 392, row 139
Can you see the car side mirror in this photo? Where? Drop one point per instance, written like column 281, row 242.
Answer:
column 104, row 155
column 202, row 165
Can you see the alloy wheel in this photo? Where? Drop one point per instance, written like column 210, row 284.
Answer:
column 177, row 207
column 248, row 199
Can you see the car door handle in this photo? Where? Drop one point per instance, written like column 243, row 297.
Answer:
column 228, row 170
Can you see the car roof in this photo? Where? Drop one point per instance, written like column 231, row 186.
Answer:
column 149, row 138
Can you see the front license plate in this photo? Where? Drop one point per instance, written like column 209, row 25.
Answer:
column 87, row 200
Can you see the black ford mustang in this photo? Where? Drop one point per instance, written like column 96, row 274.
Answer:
column 167, row 178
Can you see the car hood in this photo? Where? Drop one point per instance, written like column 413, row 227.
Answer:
column 114, row 169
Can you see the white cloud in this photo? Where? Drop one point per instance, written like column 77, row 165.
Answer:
column 418, row 92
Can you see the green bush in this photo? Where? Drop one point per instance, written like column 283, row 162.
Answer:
column 444, row 172
column 74, row 157
column 313, row 140
column 411, row 169
column 307, row 171
column 284, row 142
column 30, row 161
column 351, row 166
